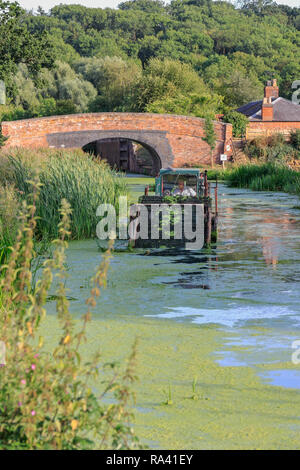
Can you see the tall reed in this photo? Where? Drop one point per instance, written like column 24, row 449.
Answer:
column 266, row 177
column 71, row 175
column 9, row 207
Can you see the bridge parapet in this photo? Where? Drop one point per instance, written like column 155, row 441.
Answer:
column 176, row 139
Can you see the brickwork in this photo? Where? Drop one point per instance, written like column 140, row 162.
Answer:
column 267, row 112
column 177, row 140
column 258, row 128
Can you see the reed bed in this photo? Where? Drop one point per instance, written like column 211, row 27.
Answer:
column 71, row 175
column 9, row 207
column 266, row 177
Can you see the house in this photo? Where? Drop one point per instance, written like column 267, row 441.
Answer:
column 271, row 115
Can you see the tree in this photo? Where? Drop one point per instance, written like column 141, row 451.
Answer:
column 210, row 137
column 17, row 45
column 167, row 79
column 239, row 89
column 114, row 80
column 197, row 55
column 257, row 6
column 187, row 105
column 148, row 48
column 149, row 6
column 64, row 84
column 238, row 120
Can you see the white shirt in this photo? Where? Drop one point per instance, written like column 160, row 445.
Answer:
column 186, row 192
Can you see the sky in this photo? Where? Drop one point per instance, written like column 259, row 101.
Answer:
column 47, row 4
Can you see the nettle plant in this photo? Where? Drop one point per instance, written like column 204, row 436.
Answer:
column 46, row 398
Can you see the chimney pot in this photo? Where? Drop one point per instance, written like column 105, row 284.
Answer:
column 271, row 90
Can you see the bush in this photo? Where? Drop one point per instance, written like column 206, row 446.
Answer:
column 2, row 139
column 270, row 149
column 75, row 176
column 46, row 398
column 239, row 122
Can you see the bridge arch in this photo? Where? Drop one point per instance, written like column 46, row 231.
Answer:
column 109, row 147
column 177, row 140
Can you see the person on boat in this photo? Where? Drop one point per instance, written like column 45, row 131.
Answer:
column 182, row 190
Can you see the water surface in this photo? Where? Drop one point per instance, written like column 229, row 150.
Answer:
column 248, row 284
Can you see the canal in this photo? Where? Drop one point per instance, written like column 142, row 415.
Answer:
column 244, row 291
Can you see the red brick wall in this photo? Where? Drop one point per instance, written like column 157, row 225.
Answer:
column 266, row 128
column 184, row 134
column 267, row 112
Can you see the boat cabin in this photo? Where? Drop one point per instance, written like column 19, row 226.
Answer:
column 167, row 180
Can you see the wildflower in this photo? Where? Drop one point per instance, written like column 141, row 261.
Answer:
column 74, row 424
column 19, row 404
column 23, row 382
column 67, row 339
column 33, row 366
column 29, row 327
column 33, row 413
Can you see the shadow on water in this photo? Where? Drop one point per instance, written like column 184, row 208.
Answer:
column 189, row 279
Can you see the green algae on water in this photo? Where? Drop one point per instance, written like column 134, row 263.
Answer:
column 235, row 409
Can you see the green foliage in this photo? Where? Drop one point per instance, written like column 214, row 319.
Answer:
column 239, row 89
column 210, row 136
column 295, row 139
column 114, row 80
column 73, row 175
column 46, row 395
column 266, row 177
column 19, row 45
column 2, row 139
column 186, row 105
column 64, row 85
column 217, row 173
column 168, row 81
column 9, row 208
column 184, row 57
column 271, row 149
column 149, row 6
column 257, row 6
column 238, row 120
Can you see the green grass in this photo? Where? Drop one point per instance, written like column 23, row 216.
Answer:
column 266, row 177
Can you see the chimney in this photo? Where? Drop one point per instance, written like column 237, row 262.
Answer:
column 271, row 90
column 267, row 111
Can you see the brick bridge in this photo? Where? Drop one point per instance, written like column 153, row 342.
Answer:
column 172, row 140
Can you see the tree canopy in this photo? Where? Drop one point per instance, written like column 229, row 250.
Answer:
column 197, row 57
column 20, row 45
